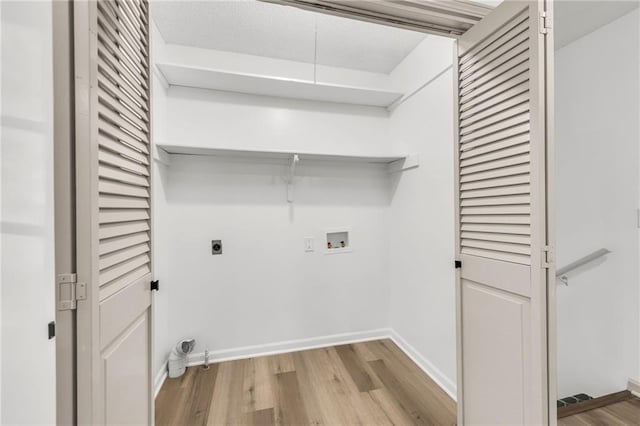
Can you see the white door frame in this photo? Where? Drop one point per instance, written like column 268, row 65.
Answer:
column 64, row 200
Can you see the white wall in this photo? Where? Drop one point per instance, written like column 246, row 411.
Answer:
column 597, row 196
column 233, row 120
column 27, row 241
column 265, row 288
column 421, row 213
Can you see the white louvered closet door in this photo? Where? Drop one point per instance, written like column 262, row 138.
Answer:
column 502, row 224
column 113, row 211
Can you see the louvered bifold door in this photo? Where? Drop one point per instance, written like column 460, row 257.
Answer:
column 113, row 214
column 501, row 241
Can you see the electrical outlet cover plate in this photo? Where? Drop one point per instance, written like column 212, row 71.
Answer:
column 216, row 247
column 308, row 244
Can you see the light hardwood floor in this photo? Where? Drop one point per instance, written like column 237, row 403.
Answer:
column 625, row 413
column 371, row 383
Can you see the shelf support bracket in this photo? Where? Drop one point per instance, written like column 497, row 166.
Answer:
column 292, row 174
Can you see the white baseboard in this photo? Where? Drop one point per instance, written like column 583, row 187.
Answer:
column 288, row 346
column 634, row 387
column 314, row 343
column 161, row 376
column 275, row 348
column 436, row 375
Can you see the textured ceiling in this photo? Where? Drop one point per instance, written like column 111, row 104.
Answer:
column 264, row 29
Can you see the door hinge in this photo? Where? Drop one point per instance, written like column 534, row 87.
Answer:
column 457, row 264
column 51, row 329
column 544, row 22
column 70, row 291
column 548, row 257
column 155, row 285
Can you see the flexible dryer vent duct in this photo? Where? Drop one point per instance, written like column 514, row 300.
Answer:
column 178, row 357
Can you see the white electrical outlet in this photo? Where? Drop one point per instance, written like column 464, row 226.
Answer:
column 308, row 243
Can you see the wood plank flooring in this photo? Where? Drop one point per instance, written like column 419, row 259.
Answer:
column 370, row 383
column 624, row 413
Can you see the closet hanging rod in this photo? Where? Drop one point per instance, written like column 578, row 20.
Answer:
column 562, row 272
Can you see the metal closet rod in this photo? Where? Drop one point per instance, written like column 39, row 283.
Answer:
column 582, row 261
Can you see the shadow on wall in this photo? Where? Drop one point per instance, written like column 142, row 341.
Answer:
column 207, row 96
column 212, row 180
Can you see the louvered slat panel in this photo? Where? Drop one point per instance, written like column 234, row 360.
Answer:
column 123, row 268
column 139, row 13
column 111, row 259
column 497, row 67
column 122, row 176
column 130, row 25
column 494, row 146
column 118, row 284
column 491, row 236
column 495, row 210
column 497, row 154
column 497, row 136
column 495, row 119
column 498, row 246
column 122, row 215
column 495, row 128
column 492, row 174
column 119, row 243
column 107, row 70
column 503, row 46
column 495, row 95
column 122, row 96
column 470, row 151
column 109, row 187
column 497, row 164
column 123, row 139
column 481, row 114
column 132, row 14
column 480, row 49
column 496, row 255
column 117, row 120
column 117, row 133
column 118, row 53
column 511, row 71
column 120, row 229
column 123, row 149
column 494, row 183
column 106, row 7
column 497, row 228
column 122, row 110
column 115, row 38
column 107, row 201
column 496, row 191
column 503, row 219
column 117, row 160
column 496, row 201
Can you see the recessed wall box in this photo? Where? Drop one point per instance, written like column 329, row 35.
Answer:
column 338, row 241
column 216, row 247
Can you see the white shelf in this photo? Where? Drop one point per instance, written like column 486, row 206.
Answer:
column 205, row 78
column 393, row 164
column 279, row 155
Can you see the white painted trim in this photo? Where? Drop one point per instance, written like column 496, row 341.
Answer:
column 448, row 385
column 161, row 376
column 161, row 156
column 634, row 387
column 160, row 76
column 288, row 346
column 315, row 343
